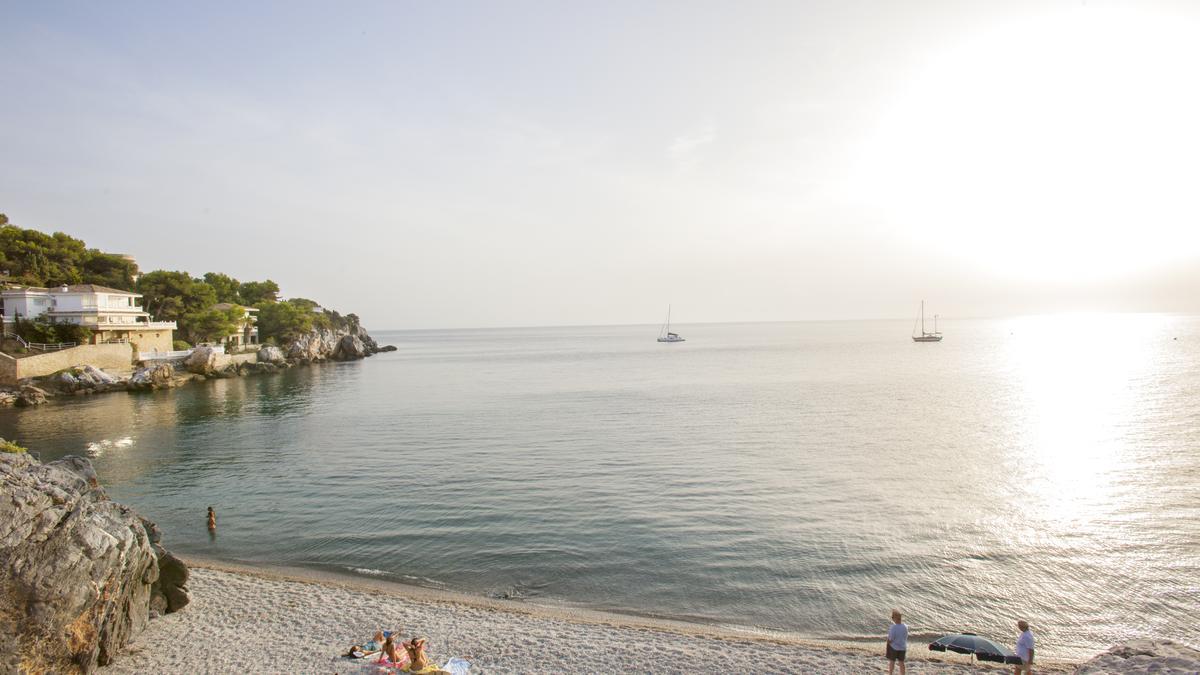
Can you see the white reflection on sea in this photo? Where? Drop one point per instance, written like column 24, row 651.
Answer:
column 1079, row 377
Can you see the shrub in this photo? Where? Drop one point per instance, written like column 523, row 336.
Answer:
column 10, row 447
column 180, row 345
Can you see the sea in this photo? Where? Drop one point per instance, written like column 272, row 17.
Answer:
column 799, row 479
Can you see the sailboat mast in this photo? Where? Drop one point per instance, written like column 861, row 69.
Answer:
column 922, row 317
column 668, row 318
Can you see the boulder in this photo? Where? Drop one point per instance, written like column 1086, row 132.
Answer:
column 350, row 347
column 388, row 348
column 8, row 398
column 92, row 377
column 85, row 378
column 202, row 360
column 30, row 396
column 64, row 382
column 1144, row 656
column 78, row 573
column 158, row 376
column 270, row 354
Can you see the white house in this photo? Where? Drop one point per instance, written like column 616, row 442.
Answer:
column 112, row 315
column 247, row 332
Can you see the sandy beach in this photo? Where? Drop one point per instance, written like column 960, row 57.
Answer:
column 272, row 621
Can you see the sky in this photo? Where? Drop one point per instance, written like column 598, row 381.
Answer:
column 458, row 164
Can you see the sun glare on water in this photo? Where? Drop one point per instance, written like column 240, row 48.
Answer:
column 1082, row 388
column 1059, row 146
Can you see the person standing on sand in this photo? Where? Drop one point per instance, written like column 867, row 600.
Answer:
column 1024, row 649
column 212, row 519
column 897, row 642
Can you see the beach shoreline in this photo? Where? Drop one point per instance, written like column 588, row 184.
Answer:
column 235, row 617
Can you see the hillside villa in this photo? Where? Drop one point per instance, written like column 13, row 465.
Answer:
column 247, row 330
column 112, row 315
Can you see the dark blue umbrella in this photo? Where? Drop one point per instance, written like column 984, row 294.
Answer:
column 970, row 643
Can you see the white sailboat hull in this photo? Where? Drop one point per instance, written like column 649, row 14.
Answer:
column 927, row 338
column 672, row 338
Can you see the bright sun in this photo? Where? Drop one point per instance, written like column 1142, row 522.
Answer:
column 1064, row 146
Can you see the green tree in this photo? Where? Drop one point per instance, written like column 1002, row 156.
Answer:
column 226, row 287
column 283, row 320
column 258, row 293
column 212, row 324
column 35, row 258
column 170, row 296
column 108, row 269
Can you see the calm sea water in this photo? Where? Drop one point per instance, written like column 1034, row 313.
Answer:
column 799, row 477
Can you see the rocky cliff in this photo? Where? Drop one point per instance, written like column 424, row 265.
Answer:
column 80, row 575
column 335, row 344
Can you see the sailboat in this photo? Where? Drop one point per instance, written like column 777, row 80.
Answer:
column 935, row 336
column 666, row 335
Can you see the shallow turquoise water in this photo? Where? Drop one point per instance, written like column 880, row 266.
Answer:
column 801, row 477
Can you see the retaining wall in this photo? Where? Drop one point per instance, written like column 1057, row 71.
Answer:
column 112, row 358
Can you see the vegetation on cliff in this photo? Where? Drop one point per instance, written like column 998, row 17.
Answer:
column 35, row 258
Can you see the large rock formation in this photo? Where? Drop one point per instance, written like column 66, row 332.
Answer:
column 321, row 344
column 202, row 360
column 83, row 379
column 1144, row 656
column 270, row 354
column 160, row 376
column 350, row 347
column 79, row 574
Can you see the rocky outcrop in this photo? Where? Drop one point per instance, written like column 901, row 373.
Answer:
column 350, row 347
column 202, row 360
column 83, row 379
column 271, row 354
column 79, row 574
column 321, row 344
column 30, row 396
column 160, row 376
column 1144, row 656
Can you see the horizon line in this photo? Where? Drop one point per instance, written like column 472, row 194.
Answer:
column 768, row 321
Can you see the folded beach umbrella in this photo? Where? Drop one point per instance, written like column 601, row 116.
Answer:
column 970, row 643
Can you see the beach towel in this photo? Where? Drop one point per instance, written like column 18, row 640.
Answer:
column 457, row 666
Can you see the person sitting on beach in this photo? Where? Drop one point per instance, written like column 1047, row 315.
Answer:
column 390, row 655
column 418, row 660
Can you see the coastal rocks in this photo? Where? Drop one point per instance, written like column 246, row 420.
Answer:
column 30, row 396
column 387, row 348
column 350, row 347
column 83, row 379
column 169, row 593
column 1144, row 656
column 159, row 376
column 78, row 573
column 202, row 360
column 316, row 345
column 270, row 354
column 8, row 398
column 321, row 344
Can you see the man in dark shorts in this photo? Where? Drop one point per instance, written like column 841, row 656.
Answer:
column 897, row 642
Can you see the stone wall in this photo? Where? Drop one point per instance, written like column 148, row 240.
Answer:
column 143, row 340
column 113, row 358
column 226, row 360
